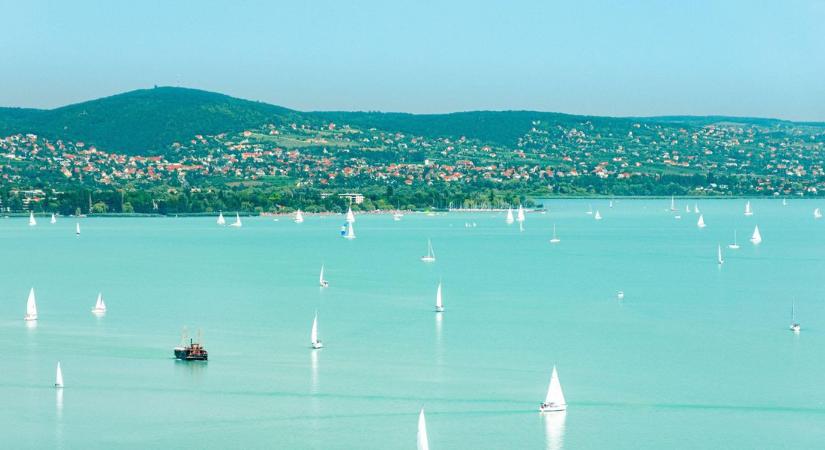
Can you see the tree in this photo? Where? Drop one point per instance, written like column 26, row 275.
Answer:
column 99, row 208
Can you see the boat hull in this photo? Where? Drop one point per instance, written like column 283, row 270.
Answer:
column 427, row 259
column 552, row 408
column 184, row 354
column 30, row 317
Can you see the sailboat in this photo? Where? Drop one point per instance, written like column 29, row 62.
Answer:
column 784, row 202
column 31, row 307
column 687, row 209
column 313, row 335
column 237, row 223
column 32, row 222
column 817, row 213
column 100, row 306
column 757, row 236
column 554, row 239
column 695, row 208
column 221, row 220
column 748, row 210
column 58, row 377
column 589, row 210
column 672, row 203
column 349, row 231
column 795, row 327
column 53, row 219
column 510, row 219
column 77, row 228
column 439, row 304
column 324, row 283
column 610, row 205
column 430, row 253
column 520, row 214
column 350, row 216
column 719, row 255
column 735, row 245
column 397, row 216
column 701, row 222
column 597, row 216
column 421, row 437
column 554, row 401
column 299, row 217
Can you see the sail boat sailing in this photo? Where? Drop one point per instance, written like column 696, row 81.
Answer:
column 100, row 306
column 757, row 236
column 31, row 307
column 735, row 244
column 695, row 208
column 32, row 222
column 719, row 259
column 350, row 216
column 554, row 401
column 221, row 220
column 817, row 213
column 748, row 210
column 53, row 219
column 439, row 303
column 554, row 239
column 348, row 232
column 795, row 327
column 520, row 214
column 597, row 216
column 237, row 223
column 324, row 283
column 58, row 376
column 672, row 203
column 510, row 219
column 430, row 257
column 701, row 222
column 313, row 335
column 299, row 216
column 421, row 436
column 77, row 228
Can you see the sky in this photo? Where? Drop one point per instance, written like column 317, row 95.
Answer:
column 616, row 58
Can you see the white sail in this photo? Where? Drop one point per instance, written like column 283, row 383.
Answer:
column 439, row 303
column 695, row 208
column 554, row 401
column 597, row 216
column 687, row 209
column 299, row 217
column 31, row 306
column 701, row 222
column 430, row 257
column 313, row 335
column 757, row 236
column 221, row 220
column 237, row 223
column 422, row 439
column 53, row 219
column 555, row 239
column 748, row 210
column 350, row 216
column 817, row 213
column 589, row 210
column 100, row 305
column 520, row 214
column 510, row 216
column 58, row 377
column 350, row 233
column 321, row 280
column 735, row 244
column 672, row 203
column 77, row 228
column 32, row 222
column 719, row 254
column 610, row 205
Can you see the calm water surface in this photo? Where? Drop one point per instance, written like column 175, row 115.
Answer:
column 695, row 356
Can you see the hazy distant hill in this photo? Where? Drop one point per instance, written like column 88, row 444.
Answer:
column 147, row 121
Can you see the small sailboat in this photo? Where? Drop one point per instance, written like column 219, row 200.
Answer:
column 237, row 223
column 221, row 220
column 324, row 283
column 554, row 401
column 53, row 219
column 32, row 222
column 687, row 209
column 695, row 208
column 421, row 437
column 77, row 228
column 349, row 231
column 719, row 259
column 610, row 205
column 748, row 209
column 554, row 239
column 795, row 326
column 672, row 203
column 520, row 214
column 597, row 216
column 701, row 222
column 397, row 216
column 817, row 213
column 430, row 257
column 299, row 217
column 58, row 377
column 620, row 295
column 439, row 303
column 100, row 306
column 313, row 335
column 735, row 245
column 31, row 307
column 589, row 210
column 350, row 216
column 756, row 238
column 784, row 202
column 509, row 219
column 677, row 217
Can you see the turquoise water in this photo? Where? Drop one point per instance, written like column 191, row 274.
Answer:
column 694, row 357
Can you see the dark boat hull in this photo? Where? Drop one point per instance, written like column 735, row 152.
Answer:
column 185, row 354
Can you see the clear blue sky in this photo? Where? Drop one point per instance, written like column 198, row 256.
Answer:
column 750, row 58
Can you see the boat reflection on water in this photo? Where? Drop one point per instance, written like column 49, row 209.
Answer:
column 554, row 429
